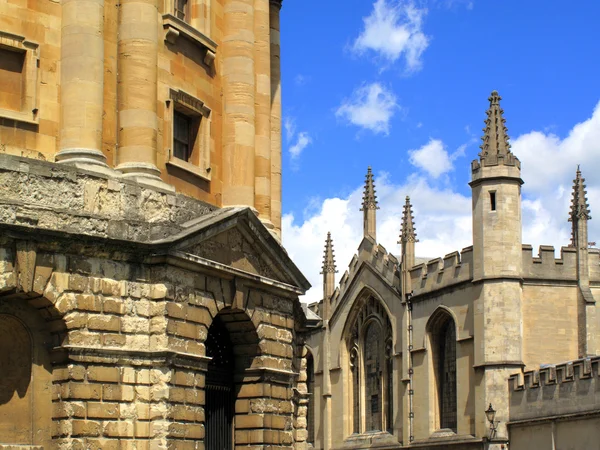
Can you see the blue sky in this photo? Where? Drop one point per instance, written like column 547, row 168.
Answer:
column 402, row 86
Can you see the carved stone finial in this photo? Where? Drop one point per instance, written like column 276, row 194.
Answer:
column 580, row 208
column 328, row 256
column 407, row 231
column 495, row 148
column 369, row 197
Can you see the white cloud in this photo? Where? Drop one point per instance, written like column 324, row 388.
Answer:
column 371, row 106
column 301, row 80
column 303, row 140
column 432, row 158
column 394, row 30
column 443, row 216
column 289, row 123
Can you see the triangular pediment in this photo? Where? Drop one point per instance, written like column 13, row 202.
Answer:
column 236, row 238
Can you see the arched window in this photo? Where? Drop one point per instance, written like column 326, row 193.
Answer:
column 310, row 387
column 373, row 350
column 370, row 368
column 443, row 343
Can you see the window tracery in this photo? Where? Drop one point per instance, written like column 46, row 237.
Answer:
column 370, row 368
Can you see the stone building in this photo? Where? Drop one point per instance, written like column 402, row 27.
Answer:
column 145, row 299
column 414, row 353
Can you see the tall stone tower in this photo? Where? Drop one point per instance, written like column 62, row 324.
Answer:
column 497, row 262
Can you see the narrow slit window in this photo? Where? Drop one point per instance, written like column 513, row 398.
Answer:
column 493, row 200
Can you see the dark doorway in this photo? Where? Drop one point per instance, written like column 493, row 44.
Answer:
column 220, row 394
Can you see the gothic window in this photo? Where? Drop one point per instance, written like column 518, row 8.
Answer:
column 373, row 376
column 443, row 335
column 370, row 369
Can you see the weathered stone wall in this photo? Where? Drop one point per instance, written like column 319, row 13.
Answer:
column 126, row 304
column 129, row 358
column 556, row 406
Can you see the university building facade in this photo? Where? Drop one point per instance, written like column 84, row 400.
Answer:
column 490, row 347
column 145, row 299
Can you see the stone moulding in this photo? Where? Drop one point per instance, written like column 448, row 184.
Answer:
column 176, row 28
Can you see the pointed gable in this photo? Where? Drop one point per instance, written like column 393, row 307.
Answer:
column 235, row 237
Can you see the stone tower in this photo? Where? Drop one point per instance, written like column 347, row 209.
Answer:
column 369, row 207
column 497, row 262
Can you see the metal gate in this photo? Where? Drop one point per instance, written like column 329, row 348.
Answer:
column 219, row 416
column 220, row 395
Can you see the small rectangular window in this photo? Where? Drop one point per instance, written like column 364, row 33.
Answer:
column 181, row 10
column 493, row 200
column 181, row 136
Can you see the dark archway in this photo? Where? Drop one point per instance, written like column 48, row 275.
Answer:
column 442, row 330
column 220, row 395
column 232, row 345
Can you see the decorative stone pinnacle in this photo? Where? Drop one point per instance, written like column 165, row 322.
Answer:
column 407, row 231
column 369, row 197
column 328, row 256
column 580, row 208
column 495, row 148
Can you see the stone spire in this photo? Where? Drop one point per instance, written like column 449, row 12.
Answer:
column 579, row 216
column 408, row 238
column 580, row 208
column 580, row 212
column 328, row 271
column 495, row 148
column 407, row 232
column 369, row 207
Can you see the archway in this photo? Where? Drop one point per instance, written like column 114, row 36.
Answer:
column 441, row 328
column 232, row 345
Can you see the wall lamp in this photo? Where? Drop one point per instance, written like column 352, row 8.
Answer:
column 490, row 414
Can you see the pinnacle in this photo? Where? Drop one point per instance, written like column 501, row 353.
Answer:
column 407, row 231
column 369, row 197
column 328, row 256
column 495, row 148
column 580, row 208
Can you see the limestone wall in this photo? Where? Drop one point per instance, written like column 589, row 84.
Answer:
column 129, row 359
column 126, row 313
column 440, row 273
column 556, row 406
column 110, row 95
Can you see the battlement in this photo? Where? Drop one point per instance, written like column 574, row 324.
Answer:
column 566, row 388
column 546, row 266
column 383, row 262
column 439, row 273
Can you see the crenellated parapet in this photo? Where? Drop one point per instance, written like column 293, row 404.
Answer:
column 545, row 266
column 378, row 257
column 570, row 387
column 439, row 273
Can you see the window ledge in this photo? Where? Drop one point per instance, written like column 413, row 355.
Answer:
column 176, row 28
column 189, row 168
column 18, row 116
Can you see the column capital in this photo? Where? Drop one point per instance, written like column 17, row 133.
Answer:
column 275, row 3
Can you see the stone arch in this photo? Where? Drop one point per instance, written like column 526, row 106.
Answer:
column 441, row 339
column 25, row 376
column 232, row 344
column 358, row 358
